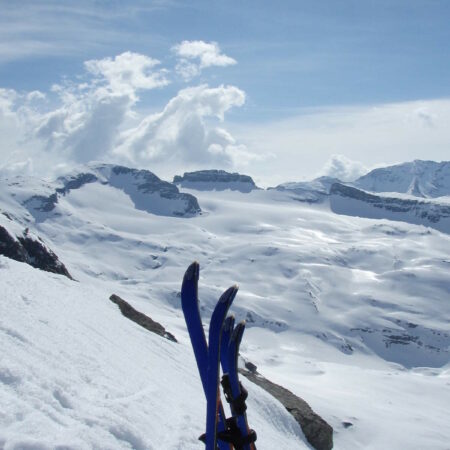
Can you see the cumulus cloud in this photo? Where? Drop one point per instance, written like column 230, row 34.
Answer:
column 194, row 56
column 128, row 72
column 89, row 118
column 95, row 117
column 338, row 166
column 180, row 132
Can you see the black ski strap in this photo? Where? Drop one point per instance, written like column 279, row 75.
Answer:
column 237, row 404
column 233, row 435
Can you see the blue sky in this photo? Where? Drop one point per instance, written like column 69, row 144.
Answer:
column 301, row 65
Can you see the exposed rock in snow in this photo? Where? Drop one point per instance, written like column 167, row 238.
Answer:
column 419, row 178
column 75, row 182
column 215, row 180
column 431, row 346
column 141, row 319
column 75, row 374
column 355, row 202
column 31, row 251
column 148, row 192
column 317, row 431
column 26, row 247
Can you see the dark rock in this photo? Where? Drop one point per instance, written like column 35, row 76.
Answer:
column 42, row 203
column 147, row 191
column 7, row 215
column 135, row 182
column 347, row 424
column 11, row 248
column 215, row 180
column 141, row 319
column 76, row 182
column 318, row 432
column 355, row 202
column 28, row 250
column 251, row 367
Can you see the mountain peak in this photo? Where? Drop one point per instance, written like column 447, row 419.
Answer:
column 418, row 177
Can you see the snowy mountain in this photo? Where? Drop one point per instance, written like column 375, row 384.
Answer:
column 349, row 313
column 313, row 191
column 355, row 202
column 215, row 180
column 146, row 191
column 418, row 178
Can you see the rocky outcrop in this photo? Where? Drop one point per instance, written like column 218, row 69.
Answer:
column 31, row 251
column 75, row 182
column 150, row 193
column 316, row 430
column 215, row 180
column 406, row 343
column 141, row 319
column 355, row 202
column 147, row 191
column 38, row 204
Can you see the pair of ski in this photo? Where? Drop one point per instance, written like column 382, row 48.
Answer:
column 222, row 349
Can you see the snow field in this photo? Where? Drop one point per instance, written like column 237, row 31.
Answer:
column 351, row 314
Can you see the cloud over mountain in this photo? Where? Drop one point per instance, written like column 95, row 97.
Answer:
column 96, row 116
column 338, row 166
column 180, row 131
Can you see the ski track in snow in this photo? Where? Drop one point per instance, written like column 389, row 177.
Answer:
column 351, row 314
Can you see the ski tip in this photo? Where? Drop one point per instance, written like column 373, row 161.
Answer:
column 229, row 323
column 192, row 272
column 238, row 331
column 229, row 294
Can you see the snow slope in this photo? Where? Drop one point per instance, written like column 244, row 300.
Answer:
column 314, row 191
column 75, row 374
column 349, row 313
column 418, row 178
column 434, row 213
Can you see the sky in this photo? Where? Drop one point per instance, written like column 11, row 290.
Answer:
column 282, row 91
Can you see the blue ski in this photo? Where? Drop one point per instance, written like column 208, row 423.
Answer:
column 191, row 311
column 228, row 328
column 213, row 393
column 235, row 393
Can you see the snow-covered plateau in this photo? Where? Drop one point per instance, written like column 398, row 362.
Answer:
column 352, row 314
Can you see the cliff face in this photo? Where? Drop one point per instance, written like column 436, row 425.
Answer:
column 355, row 202
column 215, row 180
column 31, row 250
column 147, row 191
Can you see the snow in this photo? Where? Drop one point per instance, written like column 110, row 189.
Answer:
column 418, row 178
column 74, row 373
column 349, row 313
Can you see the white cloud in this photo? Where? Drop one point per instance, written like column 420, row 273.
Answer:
column 194, row 56
column 180, row 134
column 338, row 166
column 128, row 72
column 95, row 118
column 375, row 135
column 89, row 119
